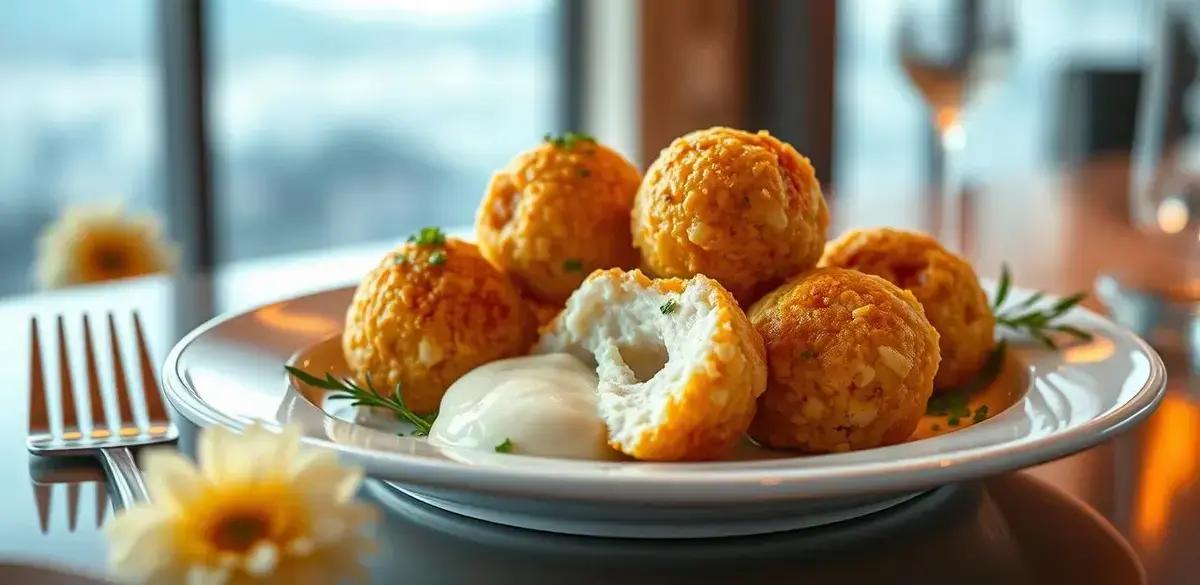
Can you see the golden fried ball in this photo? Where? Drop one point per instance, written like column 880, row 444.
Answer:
column 851, row 359
column 942, row 281
column 745, row 209
column 679, row 364
column 543, row 311
column 430, row 313
column 557, row 212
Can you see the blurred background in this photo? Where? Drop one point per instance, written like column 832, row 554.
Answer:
column 260, row 128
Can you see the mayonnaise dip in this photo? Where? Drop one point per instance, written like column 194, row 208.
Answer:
column 542, row 405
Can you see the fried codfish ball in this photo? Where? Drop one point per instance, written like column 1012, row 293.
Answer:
column 557, row 212
column 428, row 314
column 943, row 282
column 679, row 364
column 543, row 311
column 852, row 359
column 745, row 209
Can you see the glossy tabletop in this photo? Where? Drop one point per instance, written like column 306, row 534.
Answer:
column 1127, row 511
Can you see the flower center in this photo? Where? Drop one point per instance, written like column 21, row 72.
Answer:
column 109, row 259
column 239, row 533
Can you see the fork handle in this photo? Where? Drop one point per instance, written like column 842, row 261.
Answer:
column 128, row 487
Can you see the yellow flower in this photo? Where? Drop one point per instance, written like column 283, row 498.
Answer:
column 259, row 509
column 97, row 243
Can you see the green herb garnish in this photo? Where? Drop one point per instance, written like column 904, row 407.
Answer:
column 572, row 265
column 808, row 355
column 952, row 421
column 568, row 139
column 437, row 258
column 1038, row 323
column 954, row 403
column 981, row 414
column 668, row 307
column 347, row 389
column 584, row 173
column 505, row 447
column 428, row 236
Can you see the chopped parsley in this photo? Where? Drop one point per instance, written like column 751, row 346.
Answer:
column 428, row 236
column 567, row 140
column 584, row 173
column 505, row 447
column 437, row 258
column 573, row 265
column 952, row 421
column 668, row 307
column 981, row 414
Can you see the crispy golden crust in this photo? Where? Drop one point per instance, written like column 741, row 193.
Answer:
column 943, row 282
column 709, row 409
column 745, row 209
column 554, row 214
column 543, row 312
column 697, row 425
column 851, row 358
column 426, row 325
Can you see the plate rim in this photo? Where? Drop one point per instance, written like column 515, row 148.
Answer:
column 692, row 483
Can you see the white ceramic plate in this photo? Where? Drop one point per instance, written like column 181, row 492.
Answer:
column 229, row 372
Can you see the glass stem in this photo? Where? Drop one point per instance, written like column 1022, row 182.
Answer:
column 948, row 210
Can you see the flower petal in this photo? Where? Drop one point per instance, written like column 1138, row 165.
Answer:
column 171, row 478
column 320, row 474
column 139, row 542
column 261, row 560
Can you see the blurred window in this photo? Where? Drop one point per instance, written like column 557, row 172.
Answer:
column 79, row 117
column 342, row 122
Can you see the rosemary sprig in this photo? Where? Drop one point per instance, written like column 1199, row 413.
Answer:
column 1037, row 322
column 347, row 389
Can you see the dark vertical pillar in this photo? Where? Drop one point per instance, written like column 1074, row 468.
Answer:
column 188, row 170
column 188, row 173
column 571, row 54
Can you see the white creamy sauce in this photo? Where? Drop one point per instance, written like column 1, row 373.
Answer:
column 542, row 404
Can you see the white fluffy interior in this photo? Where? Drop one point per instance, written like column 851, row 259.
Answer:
column 642, row 356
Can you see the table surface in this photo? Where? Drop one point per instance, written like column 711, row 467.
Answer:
column 1127, row 511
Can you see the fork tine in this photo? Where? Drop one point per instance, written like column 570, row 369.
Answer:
column 70, row 420
column 41, row 496
column 156, row 411
column 101, row 503
column 95, row 400
column 120, row 384
column 39, row 415
column 72, row 506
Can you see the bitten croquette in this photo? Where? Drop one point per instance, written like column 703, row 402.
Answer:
column 430, row 312
column 679, row 364
column 943, row 282
column 744, row 209
column 851, row 360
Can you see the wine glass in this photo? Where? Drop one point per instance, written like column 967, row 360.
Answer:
column 1157, row 291
column 952, row 50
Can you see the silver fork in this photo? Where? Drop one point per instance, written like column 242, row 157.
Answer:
column 111, row 444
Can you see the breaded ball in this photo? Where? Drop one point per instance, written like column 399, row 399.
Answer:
column 679, row 364
column 852, row 359
column 543, row 311
column 943, row 282
column 745, row 209
column 428, row 314
column 557, row 212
